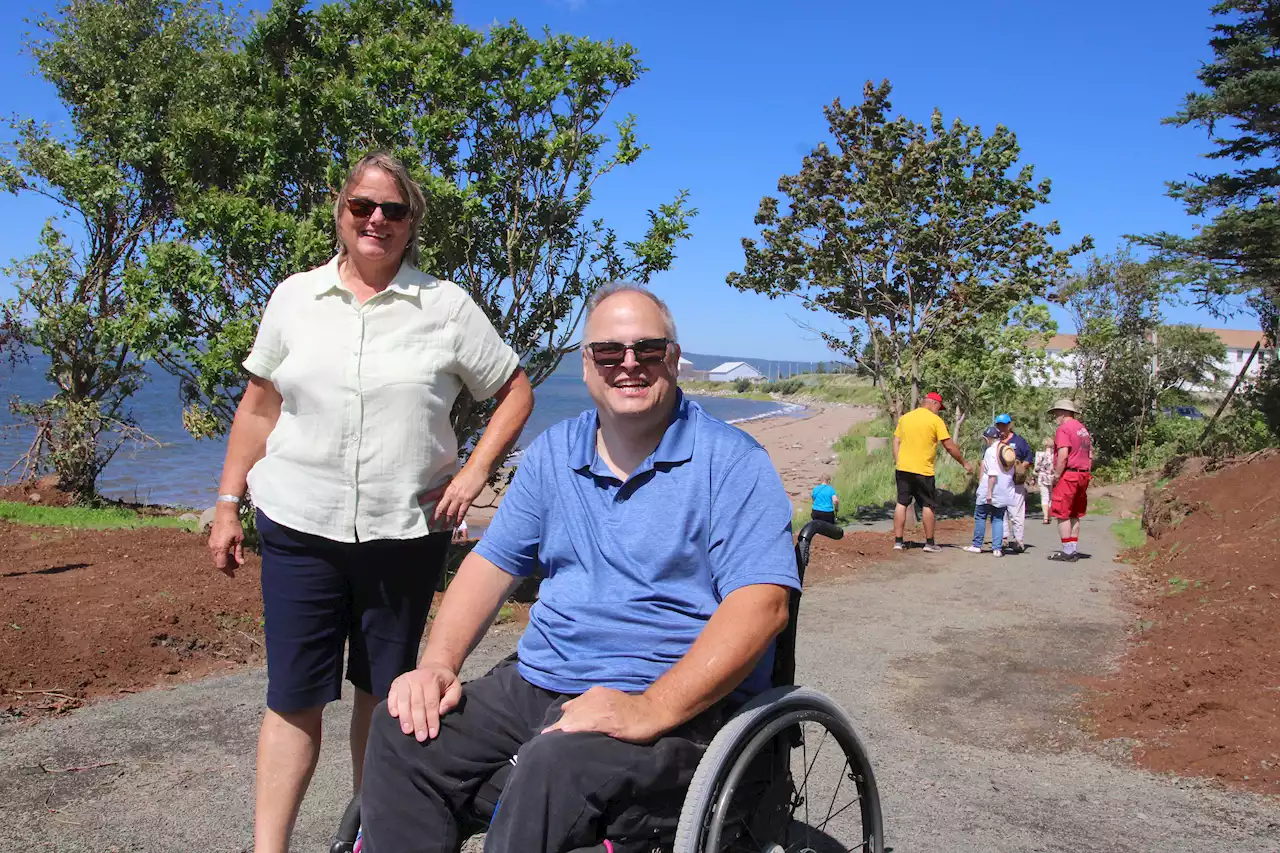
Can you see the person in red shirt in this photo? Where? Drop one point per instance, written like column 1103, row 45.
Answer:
column 1073, row 462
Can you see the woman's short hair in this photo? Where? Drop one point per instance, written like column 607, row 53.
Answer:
column 409, row 189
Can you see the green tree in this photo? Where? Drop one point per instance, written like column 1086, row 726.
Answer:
column 1126, row 359
column 120, row 68
column 983, row 365
column 1114, row 305
column 1239, row 250
column 1188, row 359
column 903, row 231
column 1237, row 253
column 506, row 133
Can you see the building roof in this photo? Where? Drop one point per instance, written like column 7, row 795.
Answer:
column 1238, row 338
column 734, row 365
column 1058, row 343
column 684, row 361
column 1231, row 339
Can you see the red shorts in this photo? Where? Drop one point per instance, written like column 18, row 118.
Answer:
column 1071, row 495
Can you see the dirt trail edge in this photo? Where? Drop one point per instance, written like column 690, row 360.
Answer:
column 958, row 670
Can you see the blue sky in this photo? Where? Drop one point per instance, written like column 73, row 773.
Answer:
column 734, row 95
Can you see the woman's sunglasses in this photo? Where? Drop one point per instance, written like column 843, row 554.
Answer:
column 363, row 208
column 613, row 353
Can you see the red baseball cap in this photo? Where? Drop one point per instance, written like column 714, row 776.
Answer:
column 937, row 398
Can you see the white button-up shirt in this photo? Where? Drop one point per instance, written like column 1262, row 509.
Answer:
column 367, row 390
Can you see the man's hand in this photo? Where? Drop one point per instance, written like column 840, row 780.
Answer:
column 968, row 467
column 226, row 539
column 420, row 697
column 628, row 717
column 455, row 497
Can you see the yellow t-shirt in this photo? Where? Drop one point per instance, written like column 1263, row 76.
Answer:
column 918, row 433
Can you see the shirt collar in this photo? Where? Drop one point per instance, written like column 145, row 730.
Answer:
column 675, row 447
column 408, row 280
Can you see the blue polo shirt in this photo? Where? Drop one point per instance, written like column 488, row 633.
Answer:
column 1021, row 449
column 633, row 571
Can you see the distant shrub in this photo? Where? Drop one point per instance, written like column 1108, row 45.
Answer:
column 784, row 386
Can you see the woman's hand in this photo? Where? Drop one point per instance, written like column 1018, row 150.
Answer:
column 455, row 497
column 226, row 539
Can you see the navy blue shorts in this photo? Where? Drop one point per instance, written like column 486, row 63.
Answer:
column 319, row 595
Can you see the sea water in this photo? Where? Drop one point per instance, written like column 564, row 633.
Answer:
column 182, row 471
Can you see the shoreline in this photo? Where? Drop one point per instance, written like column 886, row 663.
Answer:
column 797, row 436
column 800, row 451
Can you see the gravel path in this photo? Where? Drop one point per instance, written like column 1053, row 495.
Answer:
column 958, row 670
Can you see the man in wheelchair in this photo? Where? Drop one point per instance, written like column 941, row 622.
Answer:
column 664, row 539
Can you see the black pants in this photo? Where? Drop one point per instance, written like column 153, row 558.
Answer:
column 823, row 515
column 566, row 790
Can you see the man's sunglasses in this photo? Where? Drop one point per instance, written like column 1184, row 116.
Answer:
column 613, row 353
column 363, row 208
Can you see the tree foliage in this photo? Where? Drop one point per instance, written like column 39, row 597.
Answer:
column 1239, row 109
column 121, row 69
column 1237, row 253
column 982, row 365
column 904, row 232
column 1126, row 360
column 505, row 131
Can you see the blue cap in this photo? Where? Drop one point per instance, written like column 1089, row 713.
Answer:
column 1003, row 419
column 991, row 432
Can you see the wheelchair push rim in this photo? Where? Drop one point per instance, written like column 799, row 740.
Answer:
column 799, row 816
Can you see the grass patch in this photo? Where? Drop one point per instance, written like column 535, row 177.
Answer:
column 1102, row 506
column 1129, row 533
column 1179, row 585
column 90, row 518
column 868, row 480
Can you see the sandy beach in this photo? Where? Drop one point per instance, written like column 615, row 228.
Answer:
column 799, row 443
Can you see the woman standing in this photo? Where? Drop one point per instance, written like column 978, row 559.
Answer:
column 994, row 493
column 1044, row 476
column 344, row 439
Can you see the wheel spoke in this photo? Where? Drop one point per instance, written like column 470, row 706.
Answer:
column 836, row 792
column 746, row 820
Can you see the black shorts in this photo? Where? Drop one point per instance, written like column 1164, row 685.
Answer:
column 319, row 595
column 823, row 515
column 917, row 487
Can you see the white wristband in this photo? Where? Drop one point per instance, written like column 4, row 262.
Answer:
column 229, row 499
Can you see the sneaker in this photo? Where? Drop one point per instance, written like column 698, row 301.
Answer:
column 932, row 549
column 973, row 549
column 1063, row 557
column 997, row 553
column 897, row 546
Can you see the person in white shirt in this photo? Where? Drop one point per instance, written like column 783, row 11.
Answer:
column 343, row 438
column 1045, row 477
column 994, row 496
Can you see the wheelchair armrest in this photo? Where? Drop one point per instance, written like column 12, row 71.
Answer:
column 825, row 528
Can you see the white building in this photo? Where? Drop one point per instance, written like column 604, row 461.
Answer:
column 688, row 372
column 731, row 371
column 1238, row 342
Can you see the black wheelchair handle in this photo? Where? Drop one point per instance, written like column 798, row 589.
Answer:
column 825, row 528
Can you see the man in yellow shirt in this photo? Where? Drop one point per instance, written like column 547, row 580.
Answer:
column 915, row 444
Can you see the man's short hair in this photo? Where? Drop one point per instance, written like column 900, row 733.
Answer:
column 614, row 287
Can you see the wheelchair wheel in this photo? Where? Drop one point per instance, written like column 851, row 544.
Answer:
column 787, row 774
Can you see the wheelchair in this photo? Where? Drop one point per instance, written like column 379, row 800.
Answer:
column 786, row 774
